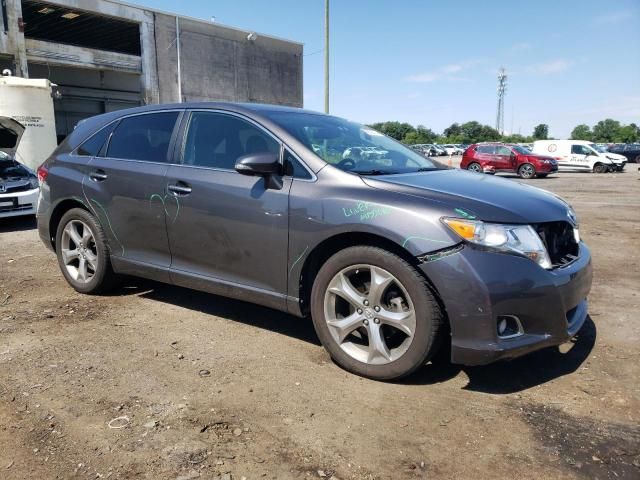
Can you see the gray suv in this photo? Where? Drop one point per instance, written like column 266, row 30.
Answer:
column 393, row 256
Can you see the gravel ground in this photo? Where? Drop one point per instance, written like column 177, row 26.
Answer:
column 160, row 382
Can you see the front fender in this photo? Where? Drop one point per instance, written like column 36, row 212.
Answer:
column 321, row 210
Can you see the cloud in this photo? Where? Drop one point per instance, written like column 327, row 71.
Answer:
column 445, row 72
column 615, row 17
column 550, row 68
column 521, row 47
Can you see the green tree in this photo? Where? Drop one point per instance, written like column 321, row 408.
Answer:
column 581, row 132
column 541, row 132
column 395, row 130
column 627, row 134
column 454, row 130
column 606, row 131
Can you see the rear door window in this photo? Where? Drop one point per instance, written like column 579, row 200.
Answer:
column 486, row 149
column 503, row 151
column 143, row 137
column 217, row 140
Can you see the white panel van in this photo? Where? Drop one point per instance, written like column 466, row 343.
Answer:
column 578, row 155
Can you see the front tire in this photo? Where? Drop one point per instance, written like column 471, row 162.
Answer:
column 600, row 168
column 375, row 314
column 526, row 171
column 83, row 256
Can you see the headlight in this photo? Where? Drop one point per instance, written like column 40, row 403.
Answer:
column 519, row 239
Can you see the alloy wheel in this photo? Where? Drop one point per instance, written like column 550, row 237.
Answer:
column 474, row 167
column 79, row 251
column 527, row 171
column 369, row 313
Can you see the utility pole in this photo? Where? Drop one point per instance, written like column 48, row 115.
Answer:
column 326, row 56
column 502, row 88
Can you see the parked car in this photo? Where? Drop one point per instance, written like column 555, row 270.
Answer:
column 578, row 155
column 451, row 149
column 439, row 150
column 499, row 157
column 233, row 199
column 631, row 151
column 18, row 184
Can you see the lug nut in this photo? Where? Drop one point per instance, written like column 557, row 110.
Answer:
column 376, row 308
column 359, row 311
column 366, row 322
column 366, row 303
column 376, row 320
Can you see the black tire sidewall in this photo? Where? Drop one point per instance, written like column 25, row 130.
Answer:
column 520, row 170
column 474, row 171
column 428, row 315
column 103, row 273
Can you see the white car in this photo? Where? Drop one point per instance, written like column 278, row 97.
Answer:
column 452, row 149
column 19, row 188
column 578, row 155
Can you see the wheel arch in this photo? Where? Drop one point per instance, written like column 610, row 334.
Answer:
column 331, row 245
column 58, row 212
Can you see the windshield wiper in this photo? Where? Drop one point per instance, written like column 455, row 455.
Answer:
column 427, row 169
column 372, row 172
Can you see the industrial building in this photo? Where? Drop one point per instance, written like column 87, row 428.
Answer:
column 105, row 55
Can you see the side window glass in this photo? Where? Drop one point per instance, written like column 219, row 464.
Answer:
column 143, row 137
column 486, row 149
column 217, row 140
column 294, row 168
column 504, row 151
column 577, row 150
column 94, row 144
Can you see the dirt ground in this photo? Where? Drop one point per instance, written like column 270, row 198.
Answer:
column 160, row 382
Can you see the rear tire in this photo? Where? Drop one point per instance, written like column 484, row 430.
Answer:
column 83, row 255
column 384, row 332
column 474, row 167
column 526, row 171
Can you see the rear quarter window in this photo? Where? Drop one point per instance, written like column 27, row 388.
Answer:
column 94, row 144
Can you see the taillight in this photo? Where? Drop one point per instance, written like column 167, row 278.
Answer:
column 43, row 173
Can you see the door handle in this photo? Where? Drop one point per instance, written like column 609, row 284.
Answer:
column 98, row 176
column 179, row 189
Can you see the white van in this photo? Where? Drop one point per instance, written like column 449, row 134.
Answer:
column 578, row 155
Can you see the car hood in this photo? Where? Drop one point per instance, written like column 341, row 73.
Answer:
column 10, row 134
column 486, row 197
column 615, row 156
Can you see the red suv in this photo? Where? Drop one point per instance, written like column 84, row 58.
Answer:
column 499, row 157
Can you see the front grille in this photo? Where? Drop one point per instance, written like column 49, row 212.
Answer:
column 560, row 242
column 23, row 187
column 15, row 208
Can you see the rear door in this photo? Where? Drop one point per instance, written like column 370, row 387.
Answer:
column 503, row 158
column 485, row 155
column 126, row 188
column 229, row 228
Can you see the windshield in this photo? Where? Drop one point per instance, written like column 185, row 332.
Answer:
column 519, row 149
column 598, row 148
column 350, row 146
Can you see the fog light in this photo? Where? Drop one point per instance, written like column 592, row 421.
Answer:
column 509, row 326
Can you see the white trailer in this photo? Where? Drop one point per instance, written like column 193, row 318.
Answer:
column 29, row 102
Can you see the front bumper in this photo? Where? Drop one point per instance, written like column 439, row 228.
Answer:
column 18, row 203
column 478, row 286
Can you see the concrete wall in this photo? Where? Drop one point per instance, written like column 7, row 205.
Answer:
column 219, row 63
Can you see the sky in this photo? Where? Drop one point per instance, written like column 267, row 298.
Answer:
column 435, row 62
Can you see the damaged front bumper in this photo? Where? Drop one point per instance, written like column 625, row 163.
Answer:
column 479, row 288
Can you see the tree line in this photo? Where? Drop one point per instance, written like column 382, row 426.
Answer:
column 605, row 131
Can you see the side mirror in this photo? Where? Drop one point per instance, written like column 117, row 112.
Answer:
column 260, row 164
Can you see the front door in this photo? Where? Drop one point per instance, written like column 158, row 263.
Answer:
column 228, row 229
column 124, row 188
